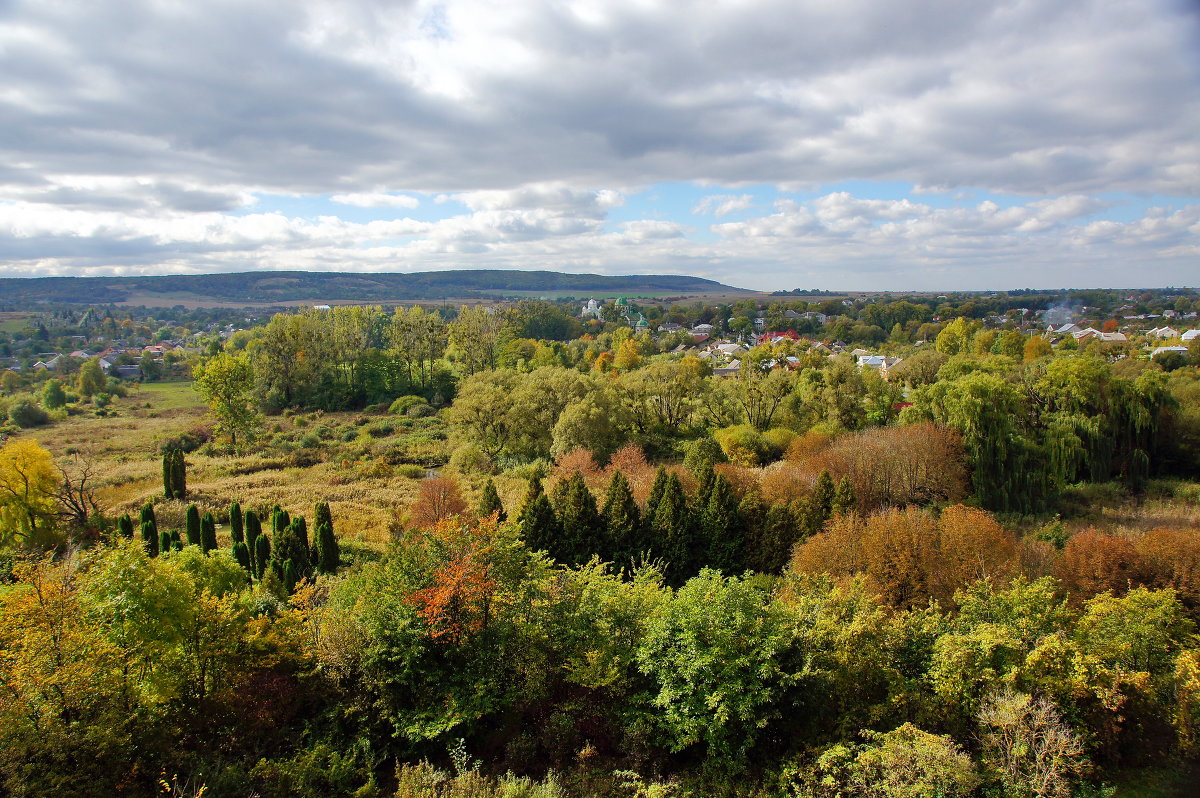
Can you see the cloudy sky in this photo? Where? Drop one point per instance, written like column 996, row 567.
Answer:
column 858, row 144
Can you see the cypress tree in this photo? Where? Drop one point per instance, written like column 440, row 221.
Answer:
column 253, row 530
column 822, row 496
column 656, row 493
column 289, row 577
column 262, row 555
column 168, row 460
column 179, row 476
column 301, row 528
column 279, row 519
column 621, row 522
column 722, row 527
column 753, row 514
column 580, row 521
column 208, row 532
column 490, row 503
column 150, row 538
column 290, row 548
column 148, row 516
column 673, row 533
column 176, row 541
column 164, row 542
column 321, row 514
column 328, row 556
column 538, row 524
column 844, row 499
column 777, row 536
column 241, row 553
column 192, row 526
column 706, row 478
column 125, row 526
column 236, row 529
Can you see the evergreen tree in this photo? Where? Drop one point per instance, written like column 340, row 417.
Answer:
column 289, row 576
column 290, row 548
column 822, row 495
column 164, row 541
column 241, row 553
column 150, row 538
column 621, row 523
column 125, row 526
column 722, row 527
column 844, row 499
column 706, row 477
column 657, row 489
column 770, row 546
column 236, row 523
column 328, row 557
column 279, row 519
column 538, row 524
column 168, row 461
column 490, row 502
column 580, row 521
column 673, row 534
column 148, row 516
column 179, row 476
column 301, row 528
column 262, row 555
column 192, row 526
column 253, row 530
column 322, row 515
column 176, row 541
column 208, row 532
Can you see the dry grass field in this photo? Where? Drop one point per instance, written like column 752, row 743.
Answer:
column 354, row 461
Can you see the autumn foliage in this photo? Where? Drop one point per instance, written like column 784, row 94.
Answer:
column 438, row 499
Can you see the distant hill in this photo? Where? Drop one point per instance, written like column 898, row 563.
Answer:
column 253, row 288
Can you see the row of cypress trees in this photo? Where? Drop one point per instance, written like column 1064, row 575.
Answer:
column 713, row 528
column 290, row 559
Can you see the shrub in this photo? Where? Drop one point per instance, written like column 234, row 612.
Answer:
column 742, row 444
column 420, row 411
column 402, row 405
column 411, row 471
column 26, row 414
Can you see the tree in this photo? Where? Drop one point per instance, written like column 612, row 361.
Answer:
column 179, row 476
column 236, row 523
column 490, row 504
column 253, row 530
column 621, row 523
column 328, row 555
column 168, row 465
column 150, row 538
column 1029, row 746
column 843, row 497
column 125, row 526
column 53, row 396
column 722, row 528
column 438, row 498
column 226, row 382
column 91, row 378
column 536, row 521
column 262, row 555
column 241, row 553
column 192, row 526
column 208, row 532
column 673, row 533
column 580, row 522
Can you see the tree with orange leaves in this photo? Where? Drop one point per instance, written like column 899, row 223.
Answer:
column 1094, row 562
column 438, row 499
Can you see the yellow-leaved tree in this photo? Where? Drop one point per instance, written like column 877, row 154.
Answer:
column 28, row 480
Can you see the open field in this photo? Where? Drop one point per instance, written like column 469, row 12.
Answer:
column 351, row 460
column 13, row 321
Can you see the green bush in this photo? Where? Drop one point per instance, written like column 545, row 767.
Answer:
column 411, row 471
column 405, row 403
column 26, row 414
column 743, row 445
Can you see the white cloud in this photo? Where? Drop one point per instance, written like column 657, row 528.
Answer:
column 377, row 200
column 722, row 204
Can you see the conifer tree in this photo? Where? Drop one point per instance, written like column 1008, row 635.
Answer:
column 168, row 475
column 164, row 542
column 290, row 548
column 490, row 503
column 321, row 514
column 150, row 538
column 236, row 523
column 656, row 493
column 192, row 526
column 301, row 528
column 722, row 527
column 253, row 530
column 538, row 524
column 328, row 556
column 673, row 533
column 621, row 524
column 262, row 555
column 706, row 477
column 769, row 545
column 580, row 521
column 148, row 515
column 844, row 499
column 822, row 495
column 241, row 553
column 279, row 519
column 208, row 532
column 125, row 526
column 176, row 541
column 289, row 576
column 179, row 476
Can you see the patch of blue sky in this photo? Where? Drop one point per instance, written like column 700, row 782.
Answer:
column 314, row 206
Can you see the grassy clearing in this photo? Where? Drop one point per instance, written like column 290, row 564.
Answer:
column 351, row 460
column 14, row 322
